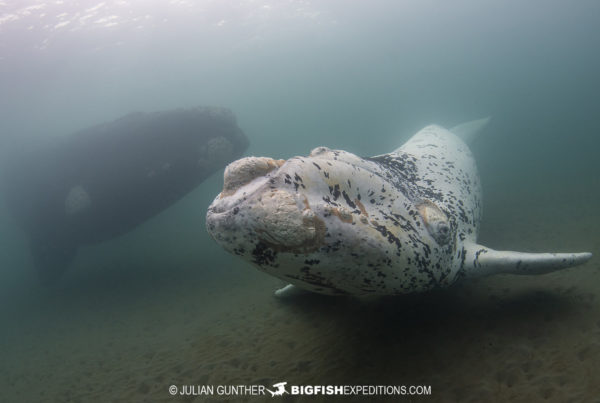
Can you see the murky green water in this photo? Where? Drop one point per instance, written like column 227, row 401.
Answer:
column 163, row 305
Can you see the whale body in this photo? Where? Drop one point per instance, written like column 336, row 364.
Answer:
column 336, row 223
column 105, row 180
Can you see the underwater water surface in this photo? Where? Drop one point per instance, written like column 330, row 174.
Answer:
column 163, row 305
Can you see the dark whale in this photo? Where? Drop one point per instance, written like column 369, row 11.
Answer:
column 105, row 180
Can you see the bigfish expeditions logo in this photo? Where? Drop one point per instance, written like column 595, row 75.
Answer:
column 281, row 389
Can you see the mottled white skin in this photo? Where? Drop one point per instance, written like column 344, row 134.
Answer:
column 335, row 223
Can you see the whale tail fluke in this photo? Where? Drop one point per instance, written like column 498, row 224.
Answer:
column 468, row 131
column 480, row 261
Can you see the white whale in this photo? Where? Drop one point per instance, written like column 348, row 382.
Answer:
column 335, row 223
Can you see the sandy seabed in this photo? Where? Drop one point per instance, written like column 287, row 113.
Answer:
column 125, row 333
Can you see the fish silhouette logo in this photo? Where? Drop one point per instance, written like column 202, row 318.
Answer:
column 279, row 389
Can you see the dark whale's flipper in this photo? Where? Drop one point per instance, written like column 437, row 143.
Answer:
column 51, row 258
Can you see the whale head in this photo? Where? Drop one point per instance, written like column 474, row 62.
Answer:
column 332, row 223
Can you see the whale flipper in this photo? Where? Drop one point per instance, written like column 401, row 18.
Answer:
column 480, row 261
column 288, row 291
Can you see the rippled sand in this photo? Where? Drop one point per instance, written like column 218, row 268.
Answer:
column 125, row 331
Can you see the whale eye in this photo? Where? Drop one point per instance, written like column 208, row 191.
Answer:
column 443, row 231
column 435, row 221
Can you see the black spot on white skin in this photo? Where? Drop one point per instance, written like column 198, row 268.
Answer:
column 390, row 236
column 476, row 260
column 348, row 201
column 327, row 200
column 263, row 255
column 335, row 191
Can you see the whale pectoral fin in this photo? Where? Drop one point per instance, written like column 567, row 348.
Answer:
column 51, row 258
column 288, row 291
column 481, row 261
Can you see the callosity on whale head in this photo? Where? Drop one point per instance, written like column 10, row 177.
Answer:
column 336, row 223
